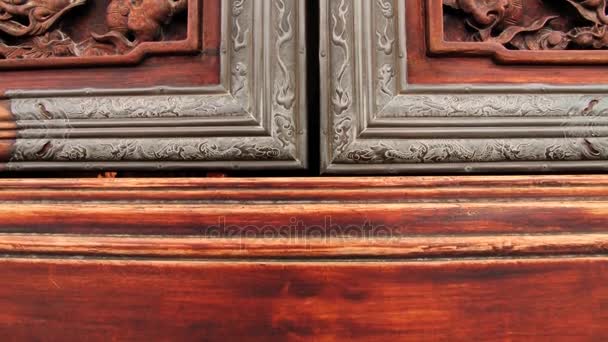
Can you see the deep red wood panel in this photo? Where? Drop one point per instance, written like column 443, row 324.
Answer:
column 344, row 206
column 466, row 259
column 277, row 301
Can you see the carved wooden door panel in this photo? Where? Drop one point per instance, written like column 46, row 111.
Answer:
column 92, row 84
column 464, row 85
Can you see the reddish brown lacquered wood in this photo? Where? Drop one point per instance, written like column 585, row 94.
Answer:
column 233, row 207
column 217, row 301
column 8, row 133
column 211, row 25
column 6, row 146
column 305, row 247
column 343, row 219
column 305, row 259
column 5, row 112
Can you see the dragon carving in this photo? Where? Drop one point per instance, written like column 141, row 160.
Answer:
column 529, row 24
column 32, row 28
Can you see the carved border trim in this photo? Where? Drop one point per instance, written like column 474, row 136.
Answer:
column 167, row 127
column 374, row 121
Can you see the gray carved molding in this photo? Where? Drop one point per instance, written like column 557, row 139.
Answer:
column 256, row 115
column 375, row 122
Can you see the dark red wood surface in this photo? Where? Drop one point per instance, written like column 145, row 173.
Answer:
column 478, row 300
column 402, row 205
column 8, row 133
column 461, row 259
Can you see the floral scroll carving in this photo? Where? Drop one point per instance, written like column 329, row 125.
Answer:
column 388, row 125
column 528, row 24
column 219, row 126
column 40, row 28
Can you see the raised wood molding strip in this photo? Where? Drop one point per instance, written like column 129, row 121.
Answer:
column 415, row 217
column 311, row 248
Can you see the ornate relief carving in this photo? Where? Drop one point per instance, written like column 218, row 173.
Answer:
column 239, row 79
column 496, row 105
column 240, row 36
column 341, row 97
column 385, row 40
column 76, row 128
column 34, row 28
column 475, row 151
column 385, row 77
column 285, row 130
column 405, row 127
column 284, row 94
column 123, row 107
column 284, row 91
column 154, row 150
column 528, row 24
column 385, row 45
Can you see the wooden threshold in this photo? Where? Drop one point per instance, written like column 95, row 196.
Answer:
column 408, row 217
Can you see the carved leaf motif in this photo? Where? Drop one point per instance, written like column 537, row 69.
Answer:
column 107, row 107
column 509, row 33
column 144, row 150
column 490, row 105
column 50, row 137
column 240, row 38
column 386, row 75
column 595, row 13
column 284, row 92
column 473, row 150
column 341, row 98
column 285, row 130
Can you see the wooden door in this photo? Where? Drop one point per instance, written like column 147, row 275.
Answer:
column 463, row 86
column 153, row 84
column 151, row 96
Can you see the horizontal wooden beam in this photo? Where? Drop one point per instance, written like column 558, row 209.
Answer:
column 479, row 300
column 305, row 247
column 409, row 217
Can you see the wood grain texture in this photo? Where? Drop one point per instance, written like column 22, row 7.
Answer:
column 295, row 247
column 327, row 259
column 323, row 301
column 309, row 207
